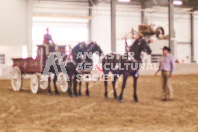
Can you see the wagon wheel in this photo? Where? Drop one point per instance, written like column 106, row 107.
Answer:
column 16, row 79
column 62, row 78
column 43, row 82
column 159, row 32
column 34, row 83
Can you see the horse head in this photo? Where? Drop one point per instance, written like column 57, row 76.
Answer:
column 93, row 47
column 145, row 46
column 140, row 45
column 82, row 46
column 78, row 51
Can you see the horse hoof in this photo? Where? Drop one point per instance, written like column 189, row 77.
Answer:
column 71, row 95
column 49, row 94
column 136, row 99
column 87, row 94
column 57, row 93
column 106, row 98
column 121, row 100
column 115, row 98
column 75, row 95
column 79, row 94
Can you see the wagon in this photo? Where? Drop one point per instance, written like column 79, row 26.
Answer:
column 34, row 67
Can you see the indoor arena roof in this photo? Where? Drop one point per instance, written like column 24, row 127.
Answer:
column 187, row 4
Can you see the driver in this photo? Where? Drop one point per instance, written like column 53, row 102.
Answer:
column 47, row 38
column 49, row 47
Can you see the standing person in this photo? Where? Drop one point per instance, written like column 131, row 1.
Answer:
column 167, row 68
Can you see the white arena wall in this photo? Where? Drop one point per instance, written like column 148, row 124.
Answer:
column 16, row 25
column 195, row 37
column 182, row 30
column 128, row 16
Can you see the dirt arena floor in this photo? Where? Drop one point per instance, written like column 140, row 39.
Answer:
column 25, row 112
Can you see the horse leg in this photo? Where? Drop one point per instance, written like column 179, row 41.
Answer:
column 49, row 87
column 87, row 88
column 114, row 89
column 80, row 84
column 135, row 87
column 123, row 86
column 106, row 83
column 75, row 86
column 55, row 87
column 69, row 86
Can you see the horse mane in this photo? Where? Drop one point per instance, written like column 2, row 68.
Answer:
column 89, row 46
column 134, row 44
column 76, row 46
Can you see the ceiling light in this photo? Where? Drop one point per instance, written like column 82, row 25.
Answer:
column 177, row 2
column 124, row 0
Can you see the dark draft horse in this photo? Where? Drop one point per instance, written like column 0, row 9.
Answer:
column 86, row 64
column 126, row 66
column 52, row 70
column 70, row 62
